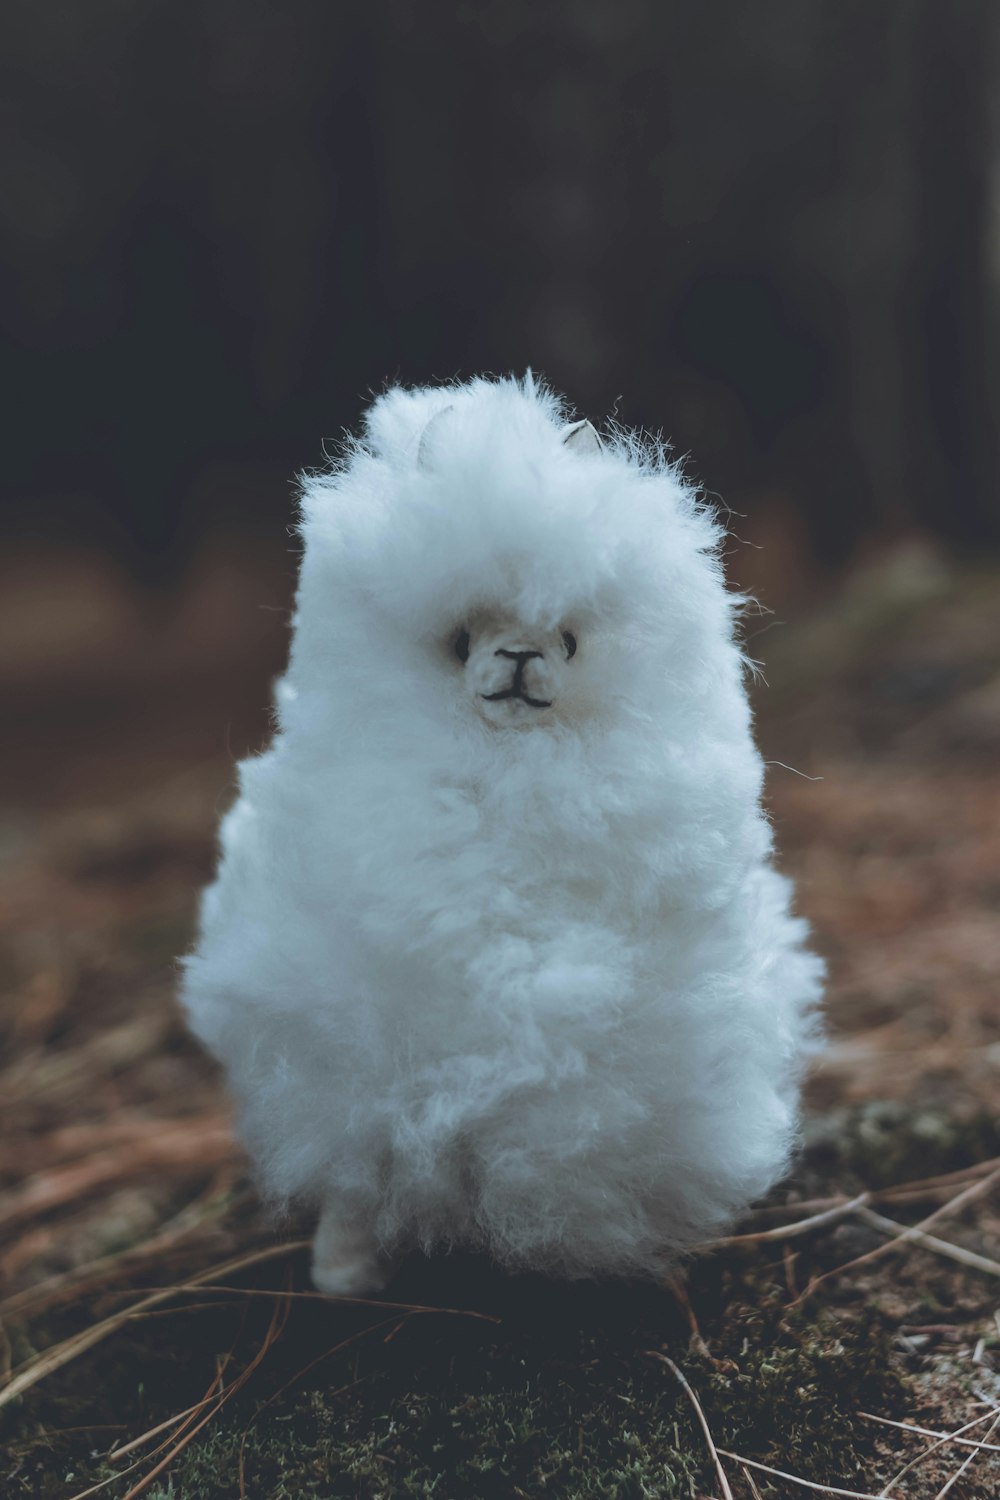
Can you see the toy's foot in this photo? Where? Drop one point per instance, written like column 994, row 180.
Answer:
column 346, row 1260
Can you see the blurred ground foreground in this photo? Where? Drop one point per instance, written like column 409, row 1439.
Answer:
column 155, row 1329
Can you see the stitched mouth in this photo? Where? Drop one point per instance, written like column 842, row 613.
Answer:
column 516, row 689
column 516, row 693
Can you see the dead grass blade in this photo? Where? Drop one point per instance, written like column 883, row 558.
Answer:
column 942, row 1180
column 196, row 1144
column 62, row 1354
column 807, row 1484
column 946, row 1437
column 102, row 1484
column 326, row 1297
column 796, row 1227
column 954, row 1205
column 750, row 1483
column 41, row 1073
column 274, row 1331
column 931, row 1242
column 967, row 1461
column 702, row 1420
column 147, row 1437
column 914, row 1190
column 945, row 1440
column 203, row 1210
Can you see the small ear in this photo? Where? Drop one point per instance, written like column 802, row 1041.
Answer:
column 582, row 437
column 424, row 447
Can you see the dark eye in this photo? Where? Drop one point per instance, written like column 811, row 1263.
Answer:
column 462, row 645
column 569, row 641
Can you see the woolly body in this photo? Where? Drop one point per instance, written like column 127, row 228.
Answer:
column 485, row 973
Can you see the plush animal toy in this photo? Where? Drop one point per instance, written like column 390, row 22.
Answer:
column 496, row 955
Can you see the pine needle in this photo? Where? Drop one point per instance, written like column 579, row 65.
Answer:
column 931, row 1242
column 808, row 1484
column 953, row 1206
column 934, row 1447
column 62, row 1354
column 795, row 1228
column 946, row 1437
column 702, row 1420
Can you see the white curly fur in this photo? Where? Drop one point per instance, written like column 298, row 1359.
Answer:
column 483, row 971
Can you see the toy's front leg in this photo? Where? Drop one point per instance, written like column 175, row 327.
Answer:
column 346, row 1257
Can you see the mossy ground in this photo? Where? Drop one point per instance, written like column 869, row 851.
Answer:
column 536, row 1388
column 562, row 1395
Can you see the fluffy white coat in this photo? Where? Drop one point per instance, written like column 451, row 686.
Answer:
column 496, row 954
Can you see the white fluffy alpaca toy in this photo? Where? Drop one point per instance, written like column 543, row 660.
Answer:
column 496, row 955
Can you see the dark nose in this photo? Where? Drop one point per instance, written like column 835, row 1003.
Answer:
column 516, row 689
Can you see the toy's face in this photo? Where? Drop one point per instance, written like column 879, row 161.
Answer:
column 515, row 675
column 487, row 568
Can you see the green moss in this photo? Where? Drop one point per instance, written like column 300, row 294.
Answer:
column 794, row 1400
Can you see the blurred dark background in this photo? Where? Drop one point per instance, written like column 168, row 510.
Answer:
column 769, row 229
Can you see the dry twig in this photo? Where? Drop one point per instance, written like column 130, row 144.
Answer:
column 808, row 1484
column 62, row 1354
column 953, row 1205
column 702, row 1421
column 791, row 1231
column 966, row 1462
column 274, row 1330
column 934, row 1447
column 931, row 1242
column 946, row 1437
column 202, row 1145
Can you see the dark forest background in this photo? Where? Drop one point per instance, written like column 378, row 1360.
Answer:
column 770, row 229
